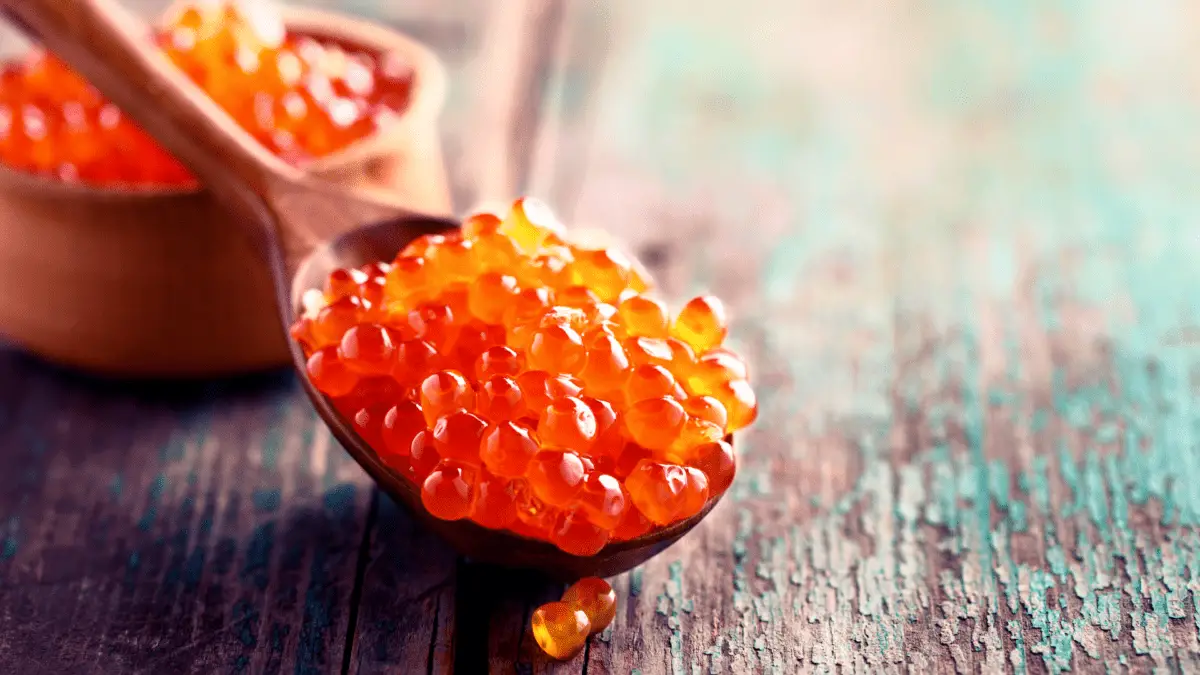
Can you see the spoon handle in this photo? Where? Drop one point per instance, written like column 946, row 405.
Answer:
column 112, row 49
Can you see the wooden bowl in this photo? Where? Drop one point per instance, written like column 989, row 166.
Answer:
column 162, row 282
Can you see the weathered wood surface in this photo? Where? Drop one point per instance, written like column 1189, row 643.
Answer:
column 959, row 241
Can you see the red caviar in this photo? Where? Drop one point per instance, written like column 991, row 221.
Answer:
column 521, row 396
column 300, row 97
column 587, row 607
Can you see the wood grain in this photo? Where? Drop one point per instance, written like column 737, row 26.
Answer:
column 161, row 529
column 959, row 270
column 405, row 616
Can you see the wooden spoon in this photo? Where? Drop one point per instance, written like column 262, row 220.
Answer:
column 291, row 218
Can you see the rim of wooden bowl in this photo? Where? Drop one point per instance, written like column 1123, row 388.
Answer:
column 425, row 104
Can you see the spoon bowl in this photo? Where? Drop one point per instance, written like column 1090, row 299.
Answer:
column 382, row 241
column 304, row 229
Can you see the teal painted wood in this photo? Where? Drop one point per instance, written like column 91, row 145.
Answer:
column 405, row 612
column 956, row 239
column 210, row 528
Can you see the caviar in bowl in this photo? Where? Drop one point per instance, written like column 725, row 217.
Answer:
column 137, row 272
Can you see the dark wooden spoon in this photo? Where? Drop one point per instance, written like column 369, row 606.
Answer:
column 305, row 229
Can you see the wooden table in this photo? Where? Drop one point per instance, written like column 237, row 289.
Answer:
column 960, row 243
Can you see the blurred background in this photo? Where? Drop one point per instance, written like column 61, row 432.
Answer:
column 807, row 117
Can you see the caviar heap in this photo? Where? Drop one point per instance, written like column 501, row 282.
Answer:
column 530, row 384
column 561, row 628
column 300, row 97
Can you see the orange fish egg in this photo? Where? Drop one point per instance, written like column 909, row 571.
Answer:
column 595, row 598
column 444, row 392
column 506, row 448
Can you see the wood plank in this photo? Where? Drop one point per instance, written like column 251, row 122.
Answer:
column 961, row 277
column 162, row 528
column 406, row 612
